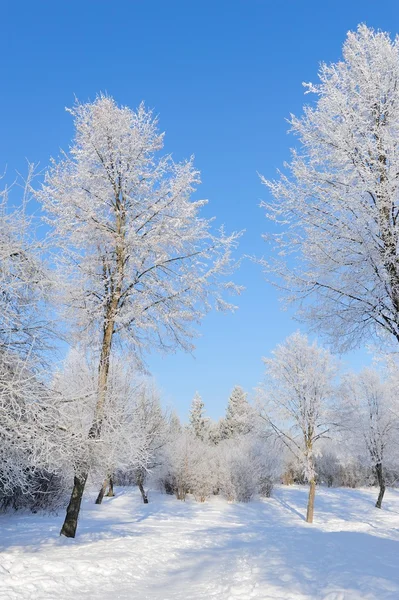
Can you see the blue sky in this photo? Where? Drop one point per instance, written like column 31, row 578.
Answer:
column 223, row 77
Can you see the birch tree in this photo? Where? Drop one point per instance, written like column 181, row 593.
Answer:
column 338, row 201
column 298, row 391
column 139, row 264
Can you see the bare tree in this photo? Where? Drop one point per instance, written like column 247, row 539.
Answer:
column 297, row 395
column 138, row 263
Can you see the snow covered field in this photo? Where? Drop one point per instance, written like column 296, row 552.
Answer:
column 171, row 550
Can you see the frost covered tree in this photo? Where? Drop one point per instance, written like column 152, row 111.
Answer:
column 342, row 460
column 180, row 457
column 189, row 462
column 298, row 392
column 31, row 445
column 247, row 465
column 328, row 465
column 27, row 421
column 122, row 443
column 139, row 263
column 152, row 423
column 74, row 390
column 236, row 467
column 198, row 423
column 24, row 279
column 239, row 419
column 202, row 480
column 338, row 202
column 370, row 412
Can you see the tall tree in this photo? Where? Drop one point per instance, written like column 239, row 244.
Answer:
column 339, row 201
column 298, row 392
column 138, row 262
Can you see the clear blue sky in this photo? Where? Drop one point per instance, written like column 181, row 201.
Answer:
column 223, row 76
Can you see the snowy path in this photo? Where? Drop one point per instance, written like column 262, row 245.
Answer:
column 169, row 550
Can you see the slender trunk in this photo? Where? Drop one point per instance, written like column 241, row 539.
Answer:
column 310, row 509
column 103, row 370
column 114, row 287
column 71, row 518
column 102, row 491
column 381, row 482
column 140, row 476
column 72, row 514
column 110, row 492
column 181, row 493
column 143, row 492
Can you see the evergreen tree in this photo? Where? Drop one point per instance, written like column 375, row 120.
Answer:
column 199, row 424
column 238, row 419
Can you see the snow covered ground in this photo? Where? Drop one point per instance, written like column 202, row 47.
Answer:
column 171, row 550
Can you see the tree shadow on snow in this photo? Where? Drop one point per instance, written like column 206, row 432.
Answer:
column 300, row 560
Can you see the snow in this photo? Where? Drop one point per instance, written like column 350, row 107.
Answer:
column 171, row 550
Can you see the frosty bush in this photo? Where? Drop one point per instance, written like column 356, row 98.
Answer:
column 328, row 469
column 247, row 466
column 189, row 467
column 238, row 476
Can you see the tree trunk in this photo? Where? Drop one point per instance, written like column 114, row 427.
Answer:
column 140, row 478
column 71, row 519
column 310, row 509
column 70, row 523
column 381, row 482
column 143, row 492
column 102, row 491
column 72, row 514
column 110, row 492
